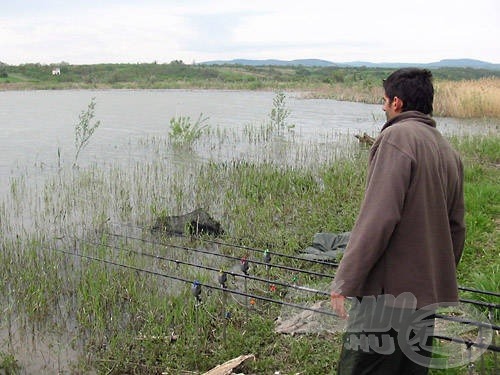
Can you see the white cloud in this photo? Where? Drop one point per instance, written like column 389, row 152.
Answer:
column 137, row 31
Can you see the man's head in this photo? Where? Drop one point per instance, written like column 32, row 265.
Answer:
column 408, row 89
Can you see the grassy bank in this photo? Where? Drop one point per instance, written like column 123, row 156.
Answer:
column 460, row 92
column 85, row 277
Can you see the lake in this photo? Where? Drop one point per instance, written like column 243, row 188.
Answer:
column 37, row 127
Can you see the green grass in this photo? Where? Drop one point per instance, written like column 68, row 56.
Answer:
column 122, row 318
column 8, row 364
column 482, row 199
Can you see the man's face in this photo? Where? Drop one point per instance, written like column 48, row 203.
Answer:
column 392, row 107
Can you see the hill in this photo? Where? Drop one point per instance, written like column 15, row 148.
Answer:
column 446, row 63
column 247, row 62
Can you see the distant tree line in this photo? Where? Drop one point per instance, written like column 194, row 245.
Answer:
column 205, row 76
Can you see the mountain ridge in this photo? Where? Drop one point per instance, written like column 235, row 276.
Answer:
column 445, row 63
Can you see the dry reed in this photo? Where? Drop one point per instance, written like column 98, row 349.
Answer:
column 351, row 93
column 468, row 99
column 459, row 99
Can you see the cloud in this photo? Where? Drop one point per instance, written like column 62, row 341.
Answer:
column 95, row 31
column 115, row 33
column 212, row 32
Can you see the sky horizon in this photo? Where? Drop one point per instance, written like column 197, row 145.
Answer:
column 131, row 31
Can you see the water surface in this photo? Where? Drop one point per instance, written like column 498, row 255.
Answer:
column 37, row 127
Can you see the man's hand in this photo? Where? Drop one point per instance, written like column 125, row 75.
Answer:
column 337, row 301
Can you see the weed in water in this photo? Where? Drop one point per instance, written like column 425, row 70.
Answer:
column 9, row 364
column 279, row 113
column 184, row 133
column 84, row 129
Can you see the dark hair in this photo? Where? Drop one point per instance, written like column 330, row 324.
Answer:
column 413, row 86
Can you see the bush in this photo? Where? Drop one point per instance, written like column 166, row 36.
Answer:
column 184, row 133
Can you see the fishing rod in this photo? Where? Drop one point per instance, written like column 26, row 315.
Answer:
column 296, row 270
column 486, row 292
column 244, row 247
column 273, row 265
column 467, row 321
column 199, row 285
column 462, row 288
column 257, row 297
column 469, row 343
column 219, row 270
column 489, row 305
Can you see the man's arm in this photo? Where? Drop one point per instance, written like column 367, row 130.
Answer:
column 457, row 218
column 389, row 177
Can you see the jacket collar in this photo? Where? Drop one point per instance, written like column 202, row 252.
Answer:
column 413, row 115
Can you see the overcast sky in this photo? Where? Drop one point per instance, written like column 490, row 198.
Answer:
column 101, row 31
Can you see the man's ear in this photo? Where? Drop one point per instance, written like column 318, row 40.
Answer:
column 397, row 104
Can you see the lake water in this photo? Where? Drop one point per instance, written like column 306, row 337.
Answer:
column 37, row 126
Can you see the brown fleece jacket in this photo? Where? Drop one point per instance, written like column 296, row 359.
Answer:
column 410, row 232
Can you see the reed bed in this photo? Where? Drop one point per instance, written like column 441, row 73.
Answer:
column 460, row 99
column 468, row 99
column 363, row 92
column 74, row 242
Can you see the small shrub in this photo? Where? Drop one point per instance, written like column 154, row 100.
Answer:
column 279, row 112
column 84, row 129
column 184, row 133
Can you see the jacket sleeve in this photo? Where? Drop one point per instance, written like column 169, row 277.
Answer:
column 457, row 218
column 388, row 180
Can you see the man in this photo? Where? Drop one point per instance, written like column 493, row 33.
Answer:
column 408, row 237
